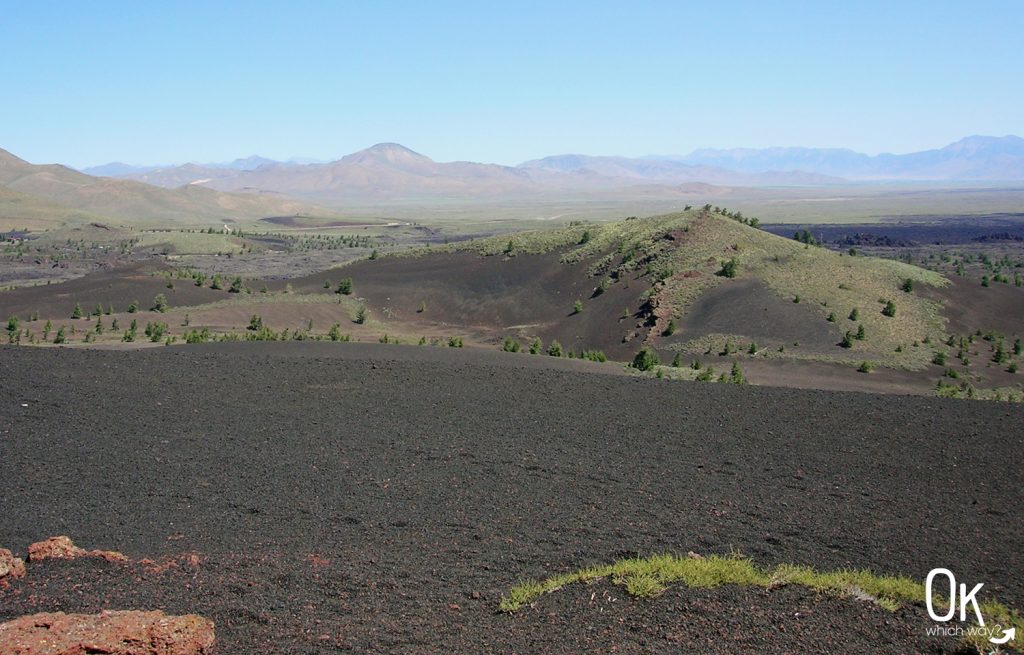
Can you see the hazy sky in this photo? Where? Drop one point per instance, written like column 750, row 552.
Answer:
column 168, row 82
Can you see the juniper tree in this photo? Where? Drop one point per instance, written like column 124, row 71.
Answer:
column 13, row 330
column 645, row 360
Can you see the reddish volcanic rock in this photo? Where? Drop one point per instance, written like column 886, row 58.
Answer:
column 10, row 565
column 63, row 548
column 111, row 633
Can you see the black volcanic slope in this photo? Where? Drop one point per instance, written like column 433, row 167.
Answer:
column 382, row 498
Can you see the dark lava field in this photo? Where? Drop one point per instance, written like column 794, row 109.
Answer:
column 320, row 498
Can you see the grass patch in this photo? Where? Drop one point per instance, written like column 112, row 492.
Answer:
column 648, row 577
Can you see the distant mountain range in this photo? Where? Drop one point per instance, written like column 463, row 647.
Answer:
column 55, row 193
column 975, row 158
column 392, row 171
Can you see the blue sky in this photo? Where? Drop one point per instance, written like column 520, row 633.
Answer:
column 148, row 82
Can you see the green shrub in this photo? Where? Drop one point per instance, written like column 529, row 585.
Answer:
column 889, row 309
column 555, row 349
column 594, row 355
column 454, row 342
column 866, row 367
column 133, row 307
column 670, row 329
column 77, row 311
column 510, row 345
column 854, row 314
column 536, row 346
column 729, row 268
column 861, row 333
column 13, row 330
column 577, row 307
column 847, row 341
column 940, row 358
column 255, row 323
column 645, row 360
column 160, row 303
column 736, row 375
column 345, row 287
column 155, row 331
column 362, row 314
column 236, row 285
column 907, row 286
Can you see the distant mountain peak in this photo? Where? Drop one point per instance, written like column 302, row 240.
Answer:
column 388, row 155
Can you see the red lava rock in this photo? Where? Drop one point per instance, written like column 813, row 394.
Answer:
column 110, row 633
column 317, row 561
column 10, row 565
column 63, row 548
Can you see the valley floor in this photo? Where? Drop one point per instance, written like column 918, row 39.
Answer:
column 318, row 498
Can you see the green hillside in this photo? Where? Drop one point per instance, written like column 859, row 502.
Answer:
column 680, row 257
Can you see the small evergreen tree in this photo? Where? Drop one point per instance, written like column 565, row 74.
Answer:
column 645, row 360
column 46, row 330
column 236, row 285
column 13, row 330
column 861, row 333
column 160, row 303
column 510, row 345
column 345, row 287
column 889, row 309
column 133, row 307
column 77, row 311
column 555, row 349
column 577, row 307
column 907, row 286
column 536, row 346
column 854, row 314
column 362, row 314
column 677, row 361
column 736, row 375
column 847, row 341
column 60, row 337
column 670, row 329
